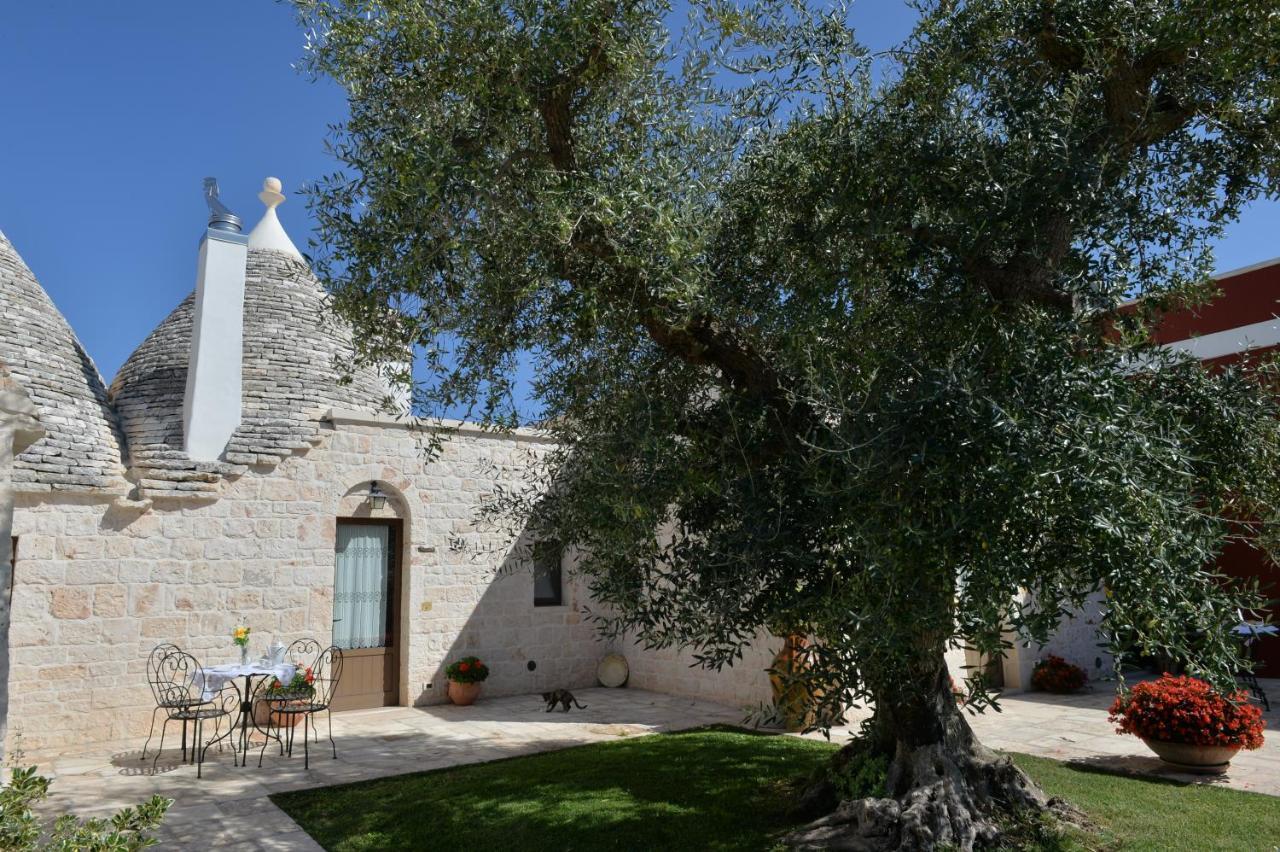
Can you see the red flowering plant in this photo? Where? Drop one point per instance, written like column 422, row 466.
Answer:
column 1054, row 674
column 301, row 685
column 1188, row 710
column 467, row 670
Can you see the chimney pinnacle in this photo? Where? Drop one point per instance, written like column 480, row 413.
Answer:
column 269, row 233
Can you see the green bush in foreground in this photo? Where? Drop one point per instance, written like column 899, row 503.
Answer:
column 22, row 830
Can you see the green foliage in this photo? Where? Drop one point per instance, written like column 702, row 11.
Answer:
column 21, row 829
column 853, row 342
column 859, row 771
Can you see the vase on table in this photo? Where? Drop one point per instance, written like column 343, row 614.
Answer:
column 244, row 655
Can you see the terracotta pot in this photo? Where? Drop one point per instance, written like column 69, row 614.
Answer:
column 793, row 702
column 1208, row 760
column 264, row 716
column 463, row 694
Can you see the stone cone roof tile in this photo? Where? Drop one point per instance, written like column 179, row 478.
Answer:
column 81, row 449
column 296, row 356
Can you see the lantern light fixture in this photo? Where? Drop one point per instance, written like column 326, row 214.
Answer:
column 377, row 500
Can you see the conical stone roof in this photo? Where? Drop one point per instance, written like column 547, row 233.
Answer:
column 81, row 449
column 294, row 370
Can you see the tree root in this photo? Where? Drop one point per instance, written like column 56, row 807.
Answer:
column 941, row 798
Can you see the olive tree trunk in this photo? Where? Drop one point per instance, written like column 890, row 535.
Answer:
column 945, row 789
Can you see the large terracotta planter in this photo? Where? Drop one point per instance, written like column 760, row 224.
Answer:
column 264, row 716
column 792, row 701
column 463, row 694
column 1207, row 760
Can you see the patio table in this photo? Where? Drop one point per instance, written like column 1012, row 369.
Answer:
column 215, row 678
column 1250, row 632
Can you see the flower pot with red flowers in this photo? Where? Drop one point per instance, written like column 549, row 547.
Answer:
column 1187, row 724
column 465, row 677
column 298, row 691
column 1054, row 674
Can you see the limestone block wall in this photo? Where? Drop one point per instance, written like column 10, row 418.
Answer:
column 744, row 685
column 99, row 583
column 1077, row 640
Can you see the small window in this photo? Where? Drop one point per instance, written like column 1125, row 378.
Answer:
column 548, row 582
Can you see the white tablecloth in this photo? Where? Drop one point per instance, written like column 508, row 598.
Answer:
column 214, row 678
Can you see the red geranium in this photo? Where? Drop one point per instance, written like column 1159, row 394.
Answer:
column 467, row 670
column 1054, row 674
column 1187, row 710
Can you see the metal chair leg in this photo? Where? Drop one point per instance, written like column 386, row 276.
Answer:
column 329, row 713
column 199, row 758
column 306, row 746
column 150, row 732
column 160, row 750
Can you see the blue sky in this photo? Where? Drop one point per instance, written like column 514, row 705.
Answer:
column 114, row 112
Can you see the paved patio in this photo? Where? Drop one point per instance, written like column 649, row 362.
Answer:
column 1075, row 728
column 229, row 808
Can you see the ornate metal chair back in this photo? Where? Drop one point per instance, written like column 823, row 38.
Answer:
column 303, row 652
column 327, row 670
column 156, row 677
column 180, row 680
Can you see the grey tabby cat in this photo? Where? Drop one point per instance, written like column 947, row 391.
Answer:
column 561, row 696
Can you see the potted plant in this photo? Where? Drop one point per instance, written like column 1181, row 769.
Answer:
column 465, row 677
column 299, row 690
column 1054, row 674
column 1187, row 724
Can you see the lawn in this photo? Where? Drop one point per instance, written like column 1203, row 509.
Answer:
column 713, row 788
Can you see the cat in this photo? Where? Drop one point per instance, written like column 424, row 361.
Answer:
column 563, row 697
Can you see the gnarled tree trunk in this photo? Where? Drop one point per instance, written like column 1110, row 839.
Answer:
column 945, row 789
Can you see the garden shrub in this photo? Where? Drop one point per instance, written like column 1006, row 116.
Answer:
column 22, row 831
column 1188, row 710
column 1054, row 674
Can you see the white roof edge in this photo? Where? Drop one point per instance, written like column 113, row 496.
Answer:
column 1231, row 273
column 352, row 417
column 1218, row 276
column 1230, row 341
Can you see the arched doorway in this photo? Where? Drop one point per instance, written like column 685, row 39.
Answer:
column 367, row 578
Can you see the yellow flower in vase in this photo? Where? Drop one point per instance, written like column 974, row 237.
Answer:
column 241, row 637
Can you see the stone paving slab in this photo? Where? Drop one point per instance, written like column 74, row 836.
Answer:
column 1075, row 729
column 228, row 808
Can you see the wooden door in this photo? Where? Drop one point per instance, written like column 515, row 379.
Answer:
column 366, row 613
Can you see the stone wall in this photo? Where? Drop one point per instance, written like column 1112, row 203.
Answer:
column 743, row 685
column 98, row 583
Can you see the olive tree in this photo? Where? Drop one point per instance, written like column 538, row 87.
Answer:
column 833, row 342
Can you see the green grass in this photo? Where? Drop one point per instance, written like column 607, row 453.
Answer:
column 714, row 788
column 1151, row 815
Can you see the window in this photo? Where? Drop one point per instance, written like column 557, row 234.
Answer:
column 548, row 582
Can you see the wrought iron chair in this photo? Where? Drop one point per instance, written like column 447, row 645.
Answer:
column 158, row 685
column 179, row 686
column 285, row 707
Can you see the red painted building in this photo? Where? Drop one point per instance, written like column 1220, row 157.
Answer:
column 1243, row 320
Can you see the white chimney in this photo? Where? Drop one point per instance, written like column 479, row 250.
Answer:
column 211, row 407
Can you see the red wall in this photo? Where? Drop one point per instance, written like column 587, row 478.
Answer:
column 1246, row 298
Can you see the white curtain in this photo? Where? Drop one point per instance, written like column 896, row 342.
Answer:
column 360, row 586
